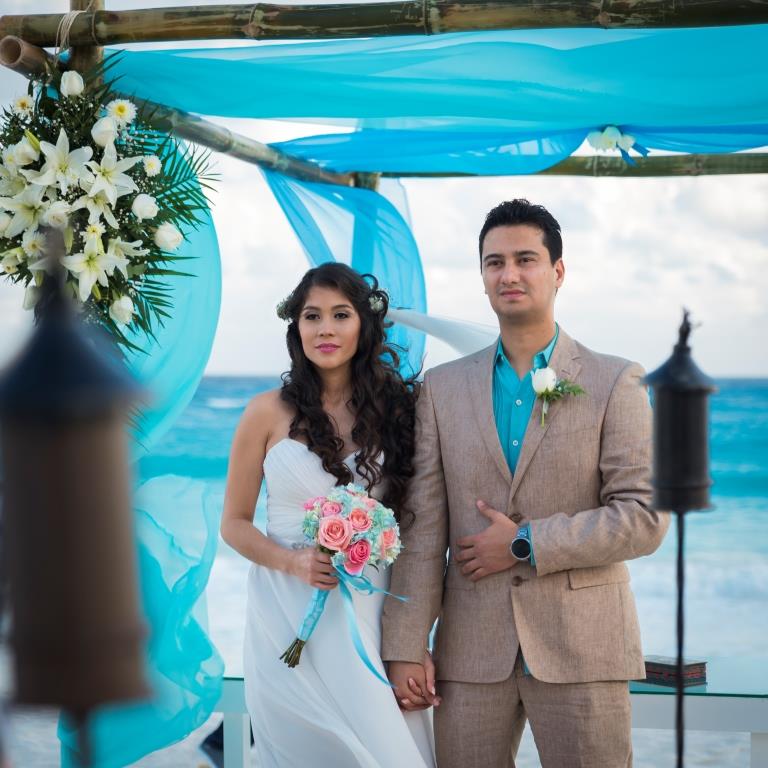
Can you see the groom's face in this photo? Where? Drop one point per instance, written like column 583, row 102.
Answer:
column 518, row 274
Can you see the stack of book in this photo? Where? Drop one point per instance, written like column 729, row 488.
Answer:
column 662, row 670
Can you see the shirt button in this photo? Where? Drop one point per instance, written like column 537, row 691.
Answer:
column 515, row 443
column 517, row 581
column 518, row 402
column 516, row 517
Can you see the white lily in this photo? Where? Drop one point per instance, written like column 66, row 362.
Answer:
column 91, row 266
column 11, row 260
column 98, row 207
column 25, row 153
column 5, row 220
column 11, row 183
column 109, row 176
column 121, row 249
column 62, row 167
column 27, row 207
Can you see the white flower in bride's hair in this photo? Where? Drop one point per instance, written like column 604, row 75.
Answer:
column 167, row 237
column 122, row 111
column 376, row 303
column 544, row 380
column 71, row 84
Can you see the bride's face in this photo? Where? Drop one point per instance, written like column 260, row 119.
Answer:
column 329, row 327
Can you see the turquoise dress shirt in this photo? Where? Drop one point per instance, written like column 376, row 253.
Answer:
column 513, row 400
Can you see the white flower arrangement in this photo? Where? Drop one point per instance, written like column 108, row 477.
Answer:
column 611, row 138
column 75, row 158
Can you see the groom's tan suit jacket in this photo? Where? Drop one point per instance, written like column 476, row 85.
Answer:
column 583, row 483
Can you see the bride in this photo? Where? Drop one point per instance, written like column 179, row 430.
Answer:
column 343, row 415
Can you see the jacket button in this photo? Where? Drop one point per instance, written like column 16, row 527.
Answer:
column 515, row 517
column 517, row 581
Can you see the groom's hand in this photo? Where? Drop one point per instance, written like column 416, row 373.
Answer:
column 414, row 685
column 488, row 552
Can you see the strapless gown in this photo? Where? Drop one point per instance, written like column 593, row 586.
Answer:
column 329, row 711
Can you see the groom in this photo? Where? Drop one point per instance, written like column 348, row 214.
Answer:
column 537, row 514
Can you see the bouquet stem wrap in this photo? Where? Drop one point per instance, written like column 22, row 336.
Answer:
column 292, row 655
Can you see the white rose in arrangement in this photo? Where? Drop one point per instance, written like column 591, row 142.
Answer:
column 544, row 380
column 57, row 216
column 144, row 207
column 121, row 310
column 104, row 131
column 71, row 84
column 152, row 165
column 167, row 237
column 31, row 296
column 122, row 111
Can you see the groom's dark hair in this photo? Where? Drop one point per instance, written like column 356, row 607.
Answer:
column 520, row 211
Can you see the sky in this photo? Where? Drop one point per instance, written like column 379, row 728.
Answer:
column 636, row 251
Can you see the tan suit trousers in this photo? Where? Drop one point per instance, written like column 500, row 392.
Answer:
column 575, row 725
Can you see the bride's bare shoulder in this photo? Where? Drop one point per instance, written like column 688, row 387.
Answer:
column 266, row 413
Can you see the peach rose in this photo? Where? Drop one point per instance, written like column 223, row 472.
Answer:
column 331, row 508
column 370, row 503
column 357, row 557
column 388, row 539
column 334, row 533
column 359, row 520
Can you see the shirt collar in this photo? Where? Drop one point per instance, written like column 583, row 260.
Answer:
column 540, row 359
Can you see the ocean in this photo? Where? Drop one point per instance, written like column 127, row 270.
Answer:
column 726, row 547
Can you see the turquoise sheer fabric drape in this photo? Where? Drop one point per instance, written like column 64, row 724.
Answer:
column 365, row 230
column 176, row 524
column 481, row 102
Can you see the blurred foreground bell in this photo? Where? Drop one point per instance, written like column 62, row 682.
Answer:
column 681, row 479
column 77, row 634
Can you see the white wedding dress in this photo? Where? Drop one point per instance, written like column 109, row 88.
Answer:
column 330, row 711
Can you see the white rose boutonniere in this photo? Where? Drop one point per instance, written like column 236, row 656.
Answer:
column 549, row 388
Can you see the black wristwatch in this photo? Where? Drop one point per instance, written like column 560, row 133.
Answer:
column 520, row 547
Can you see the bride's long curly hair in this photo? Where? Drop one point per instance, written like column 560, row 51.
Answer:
column 382, row 401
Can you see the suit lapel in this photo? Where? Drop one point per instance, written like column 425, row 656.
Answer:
column 564, row 362
column 480, row 387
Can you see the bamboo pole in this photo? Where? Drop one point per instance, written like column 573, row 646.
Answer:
column 409, row 17
column 85, row 56
column 31, row 61
column 600, row 166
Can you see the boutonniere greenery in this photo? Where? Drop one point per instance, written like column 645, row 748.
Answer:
column 549, row 388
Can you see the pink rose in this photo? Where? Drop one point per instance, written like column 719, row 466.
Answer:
column 359, row 520
column 370, row 503
column 388, row 539
column 357, row 557
column 331, row 508
column 334, row 533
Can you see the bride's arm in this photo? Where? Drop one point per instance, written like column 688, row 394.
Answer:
column 244, row 476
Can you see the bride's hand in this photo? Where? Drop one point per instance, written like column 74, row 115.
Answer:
column 313, row 567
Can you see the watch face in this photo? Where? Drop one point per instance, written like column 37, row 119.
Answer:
column 521, row 549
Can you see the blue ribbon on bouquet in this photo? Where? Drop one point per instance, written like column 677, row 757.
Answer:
column 317, row 605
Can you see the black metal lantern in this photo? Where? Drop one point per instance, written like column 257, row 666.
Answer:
column 681, row 479
column 68, row 542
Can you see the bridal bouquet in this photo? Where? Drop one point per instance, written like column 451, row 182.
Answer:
column 77, row 157
column 356, row 530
